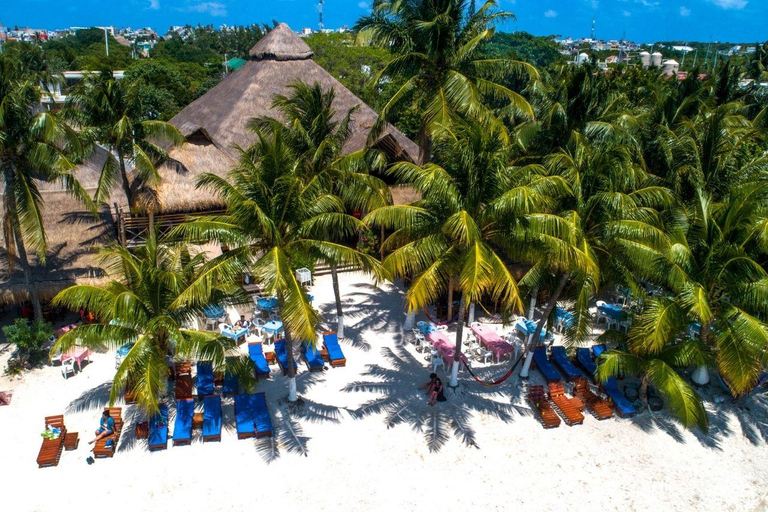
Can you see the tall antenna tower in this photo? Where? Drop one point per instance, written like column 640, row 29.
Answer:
column 592, row 33
column 320, row 11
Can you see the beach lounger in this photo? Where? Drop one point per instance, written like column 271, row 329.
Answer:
column 281, row 352
column 597, row 350
column 545, row 367
column 231, row 383
column 183, row 385
column 624, row 407
column 540, row 403
column 256, row 353
column 599, row 408
column 262, row 419
column 312, row 357
column 50, row 450
column 335, row 355
column 204, row 379
column 584, row 358
column 104, row 448
column 212, row 418
column 182, row 427
column 560, row 358
column 158, row 430
column 244, row 416
column 570, row 408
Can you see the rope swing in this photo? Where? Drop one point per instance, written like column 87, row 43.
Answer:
column 498, row 381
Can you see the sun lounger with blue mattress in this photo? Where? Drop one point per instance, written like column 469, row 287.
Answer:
column 545, row 367
column 597, row 350
column 560, row 358
column 158, row 430
column 244, row 416
column 623, row 407
column 256, row 353
column 204, row 379
column 262, row 419
column 211, row 418
column 312, row 357
column 335, row 355
column 281, row 352
column 231, row 383
column 182, row 427
column 584, row 357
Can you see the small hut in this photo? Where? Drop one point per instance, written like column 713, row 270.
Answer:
column 73, row 234
column 216, row 121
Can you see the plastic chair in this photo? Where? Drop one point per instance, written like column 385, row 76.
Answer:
column 67, row 365
column 256, row 325
column 484, row 354
column 274, row 317
column 425, row 344
column 437, row 361
column 223, row 326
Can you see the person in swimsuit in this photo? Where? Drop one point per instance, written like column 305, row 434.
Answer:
column 437, row 392
column 106, row 427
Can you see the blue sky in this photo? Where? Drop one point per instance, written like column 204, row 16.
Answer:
column 643, row 20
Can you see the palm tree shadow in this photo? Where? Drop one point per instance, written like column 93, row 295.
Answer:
column 405, row 404
column 94, row 399
column 368, row 307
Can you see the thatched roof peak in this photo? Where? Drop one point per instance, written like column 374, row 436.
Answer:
column 281, row 43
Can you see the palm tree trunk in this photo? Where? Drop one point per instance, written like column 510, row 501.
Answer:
column 450, row 298
column 700, row 375
column 21, row 249
column 532, row 309
column 292, row 396
column 459, row 336
column 643, row 391
column 337, row 295
column 471, row 317
column 540, row 326
column 124, row 175
column 425, row 145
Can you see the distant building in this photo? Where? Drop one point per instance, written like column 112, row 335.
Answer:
column 59, row 91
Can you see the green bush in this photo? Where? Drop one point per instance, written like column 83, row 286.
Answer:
column 30, row 339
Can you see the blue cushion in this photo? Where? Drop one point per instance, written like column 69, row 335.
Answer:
column 231, row 383
column 244, row 414
column 312, row 356
column 256, row 354
column 182, row 427
column 211, row 416
column 158, row 435
column 331, row 342
column 261, row 413
column 560, row 358
column 281, row 351
column 204, row 378
column 585, row 359
column 544, row 366
column 597, row 350
column 611, row 388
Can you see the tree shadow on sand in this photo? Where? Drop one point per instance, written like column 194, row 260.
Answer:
column 367, row 307
column 402, row 402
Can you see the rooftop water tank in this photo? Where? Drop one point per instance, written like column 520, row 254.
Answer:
column 645, row 59
column 656, row 59
column 670, row 67
column 582, row 58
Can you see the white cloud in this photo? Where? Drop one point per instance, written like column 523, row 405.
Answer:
column 730, row 4
column 594, row 3
column 684, row 11
column 626, row 14
column 363, row 5
column 550, row 14
column 154, row 4
column 647, row 3
column 212, row 8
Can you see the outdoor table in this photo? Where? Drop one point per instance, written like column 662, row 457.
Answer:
column 528, row 327
column 266, row 304
column 77, row 354
column 613, row 311
column 64, row 329
column 563, row 317
column 273, row 326
column 493, row 342
column 213, row 311
column 234, row 333
column 444, row 347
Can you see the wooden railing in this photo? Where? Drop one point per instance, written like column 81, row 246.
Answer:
column 132, row 230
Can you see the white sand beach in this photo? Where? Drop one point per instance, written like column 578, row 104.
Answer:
column 365, row 439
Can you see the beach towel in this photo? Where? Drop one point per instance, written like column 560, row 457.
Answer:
column 5, row 397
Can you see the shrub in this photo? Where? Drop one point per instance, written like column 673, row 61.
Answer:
column 30, row 339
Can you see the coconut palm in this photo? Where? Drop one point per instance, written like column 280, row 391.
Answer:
column 110, row 110
column 318, row 136
column 467, row 222
column 156, row 292
column 35, row 145
column 277, row 218
column 436, row 52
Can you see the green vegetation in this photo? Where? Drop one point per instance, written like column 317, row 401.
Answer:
column 30, row 339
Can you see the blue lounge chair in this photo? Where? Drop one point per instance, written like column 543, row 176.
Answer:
column 545, row 367
column 212, row 418
column 244, row 416
column 281, row 352
column 335, row 355
column 560, row 358
column 231, row 383
column 584, row 357
column 182, row 427
column 312, row 357
column 204, row 379
column 261, row 415
column 623, row 407
column 597, row 350
column 158, row 430
column 256, row 353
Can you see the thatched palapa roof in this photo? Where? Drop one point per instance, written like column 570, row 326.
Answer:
column 216, row 121
column 72, row 234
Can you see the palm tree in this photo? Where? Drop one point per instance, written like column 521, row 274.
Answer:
column 467, row 222
column 110, row 110
column 277, row 216
column 35, row 145
column 310, row 128
column 436, row 47
column 156, row 293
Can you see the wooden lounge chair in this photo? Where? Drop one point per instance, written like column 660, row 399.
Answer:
column 183, row 381
column 599, row 407
column 50, row 451
column 101, row 450
column 538, row 399
column 569, row 409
